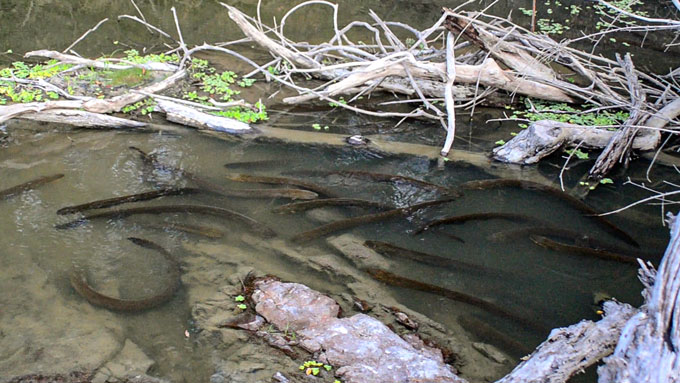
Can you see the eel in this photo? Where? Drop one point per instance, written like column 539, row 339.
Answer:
column 488, row 334
column 219, row 189
column 579, row 239
column 253, row 164
column 399, row 281
column 282, row 181
column 574, row 202
column 308, row 205
column 390, row 250
column 145, row 196
column 458, row 219
column 380, row 177
column 204, row 231
column 82, row 286
column 365, row 219
column 14, row 190
column 580, row 250
column 252, row 224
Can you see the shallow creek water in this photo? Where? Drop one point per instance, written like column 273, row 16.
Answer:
column 37, row 301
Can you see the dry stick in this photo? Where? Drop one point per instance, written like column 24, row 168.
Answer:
column 573, row 151
column 181, row 39
column 143, row 22
column 7, row 193
column 448, row 94
column 85, row 34
column 141, row 15
column 618, row 148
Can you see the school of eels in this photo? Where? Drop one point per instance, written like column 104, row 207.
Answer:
column 543, row 235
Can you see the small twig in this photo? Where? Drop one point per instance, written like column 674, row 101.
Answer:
column 85, row 35
column 566, row 163
column 182, row 45
column 143, row 22
column 141, row 15
column 448, row 93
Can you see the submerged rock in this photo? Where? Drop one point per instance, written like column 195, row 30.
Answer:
column 364, row 349
column 130, row 361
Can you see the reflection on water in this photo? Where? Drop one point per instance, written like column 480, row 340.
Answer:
column 551, row 288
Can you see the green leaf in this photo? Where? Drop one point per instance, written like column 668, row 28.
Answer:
column 605, row 181
column 240, row 298
column 242, row 306
column 500, row 142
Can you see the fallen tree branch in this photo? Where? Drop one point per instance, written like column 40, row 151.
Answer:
column 100, row 64
column 569, row 350
column 649, row 347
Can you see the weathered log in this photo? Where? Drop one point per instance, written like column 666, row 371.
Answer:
column 569, row 350
column 618, row 148
column 510, row 54
column 649, row 347
column 101, row 64
column 185, row 115
column 82, row 119
column 544, row 137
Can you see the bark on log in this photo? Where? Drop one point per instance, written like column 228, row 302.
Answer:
column 649, row 347
column 544, row 137
column 569, row 350
column 185, row 115
column 618, row 148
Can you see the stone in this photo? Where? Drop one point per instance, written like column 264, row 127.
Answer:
column 364, row 349
column 130, row 361
column 292, row 306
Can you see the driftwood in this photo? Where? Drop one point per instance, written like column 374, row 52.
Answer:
column 542, row 138
column 644, row 342
column 649, row 347
column 569, row 350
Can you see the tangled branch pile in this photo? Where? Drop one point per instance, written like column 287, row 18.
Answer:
column 498, row 57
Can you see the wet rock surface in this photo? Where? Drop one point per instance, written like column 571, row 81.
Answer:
column 50, row 336
column 364, row 348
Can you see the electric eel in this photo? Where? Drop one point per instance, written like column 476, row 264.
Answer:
column 219, row 189
column 580, row 250
column 146, row 196
column 252, row 224
column 308, row 205
column 82, row 286
column 574, row 202
column 488, row 334
column 387, row 249
column 7, row 193
column 281, row 181
column 380, row 177
column 399, row 281
column 458, row 219
column 366, row 219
